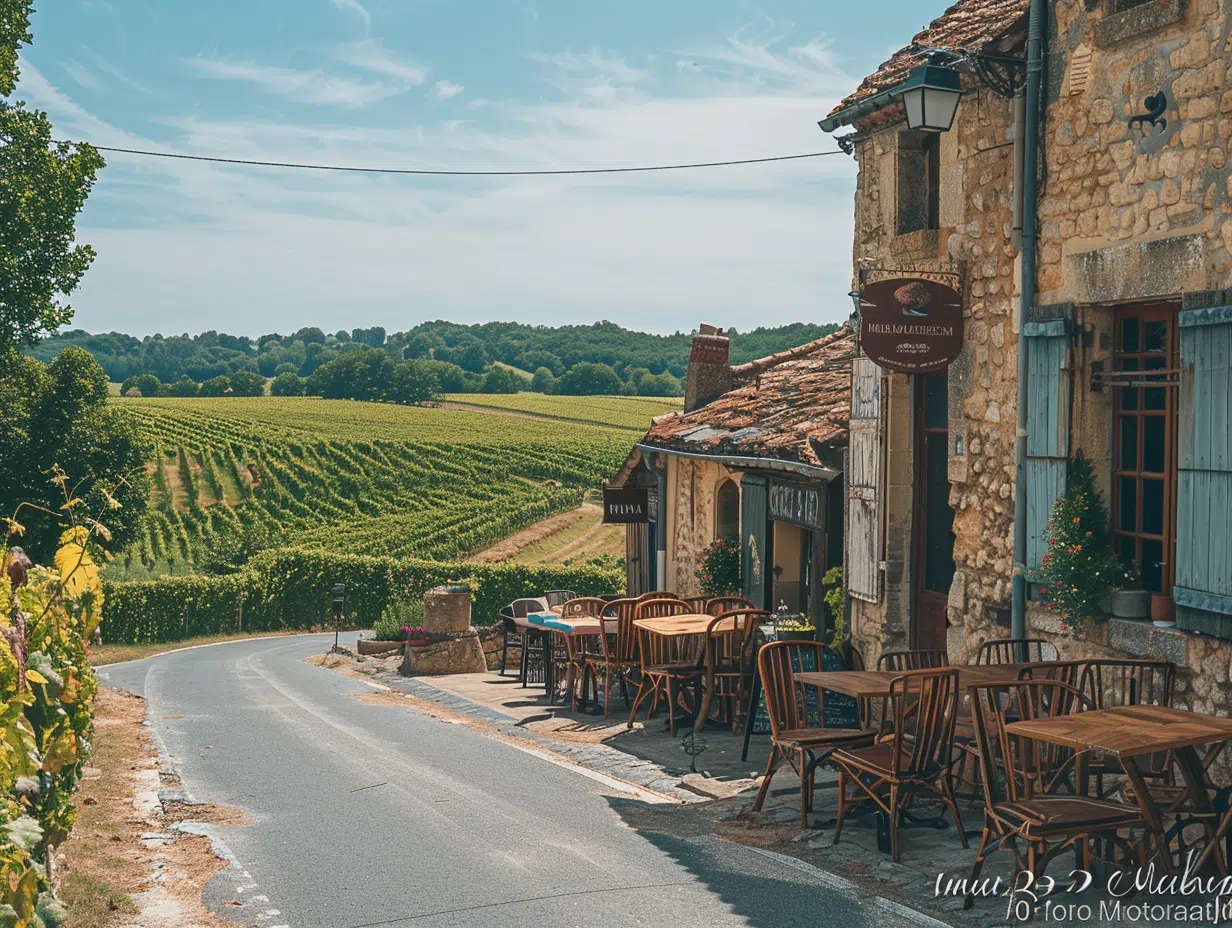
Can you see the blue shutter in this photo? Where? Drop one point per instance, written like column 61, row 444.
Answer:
column 1048, row 387
column 1203, row 588
column 754, row 500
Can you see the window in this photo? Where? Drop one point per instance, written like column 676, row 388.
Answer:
column 919, row 181
column 1144, row 443
column 727, row 510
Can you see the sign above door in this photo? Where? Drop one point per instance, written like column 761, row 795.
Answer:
column 911, row 324
column 626, row 505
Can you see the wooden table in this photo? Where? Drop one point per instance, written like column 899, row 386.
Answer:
column 1131, row 732
column 689, row 625
column 875, row 684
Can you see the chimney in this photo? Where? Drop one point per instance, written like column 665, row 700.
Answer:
column 709, row 375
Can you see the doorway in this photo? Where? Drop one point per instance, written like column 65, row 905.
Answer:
column 933, row 519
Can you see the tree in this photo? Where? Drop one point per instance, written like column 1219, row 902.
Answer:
column 500, row 379
column 144, row 384
column 43, row 186
column 185, row 386
column 56, row 415
column 373, row 337
column 587, row 379
column 543, row 381
column 246, row 383
column 414, row 382
column 216, row 386
column 288, row 383
column 537, row 358
column 659, row 385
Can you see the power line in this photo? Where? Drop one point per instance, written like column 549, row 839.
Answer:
column 363, row 170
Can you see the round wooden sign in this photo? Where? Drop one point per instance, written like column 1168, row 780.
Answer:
column 911, row 325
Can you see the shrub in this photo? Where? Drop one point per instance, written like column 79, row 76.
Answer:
column 718, row 567
column 405, row 609
column 290, row 588
column 1079, row 568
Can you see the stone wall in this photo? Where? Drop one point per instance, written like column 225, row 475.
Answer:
column 691, row 488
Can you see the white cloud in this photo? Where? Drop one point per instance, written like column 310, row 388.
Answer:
column 315, row 87
column 447, row 89
column 81, row 75
column 354, row 6
column 744, row 246
column 369, row 55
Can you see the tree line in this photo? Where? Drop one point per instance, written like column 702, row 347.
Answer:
column 574, row 360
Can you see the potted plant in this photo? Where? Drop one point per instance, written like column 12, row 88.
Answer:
column 793, row 626
column 1129, row 600
column 1079, row 568
column 416, row 637
column 718, row 567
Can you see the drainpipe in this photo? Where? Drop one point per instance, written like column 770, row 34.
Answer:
column 1030, row 157
column 1020, row 115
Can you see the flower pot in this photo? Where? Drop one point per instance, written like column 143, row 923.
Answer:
column 369, row 648
column 1131, row 604
column 418, row 643
column 798, row 635
column 1163, row 611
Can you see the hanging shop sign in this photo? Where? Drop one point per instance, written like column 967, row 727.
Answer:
column 797, row 503
column 626, row 505
column 911, row 324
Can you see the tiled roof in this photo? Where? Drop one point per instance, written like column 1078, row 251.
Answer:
column 969, row 25
column 786, row 406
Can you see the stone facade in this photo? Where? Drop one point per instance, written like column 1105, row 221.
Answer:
column 692, row 485
column 1127, row 212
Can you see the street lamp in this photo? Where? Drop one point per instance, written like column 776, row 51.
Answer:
column 930, row 97
column 856, row 299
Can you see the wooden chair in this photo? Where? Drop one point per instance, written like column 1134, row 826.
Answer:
column 917, row 756
column 1108, row 683
column 717, row 605
column 728, row 649
column 904, row 661
column 657, row 594
column 793, row 739
column 1021, row 778
column 580, row 649
column 508, row 629
column 559, row 597
column 697, row 603
column 666, row 664
column 1016, row 651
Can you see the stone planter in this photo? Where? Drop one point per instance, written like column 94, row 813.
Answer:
column 1131, row 604
column 363, row 646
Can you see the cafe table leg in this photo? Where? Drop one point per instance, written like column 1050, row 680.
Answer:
column 707, row 694
column 751, row 715
column 1194, row 774
column 1150, row 813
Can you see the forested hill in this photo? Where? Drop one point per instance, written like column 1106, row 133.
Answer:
column 472, row 347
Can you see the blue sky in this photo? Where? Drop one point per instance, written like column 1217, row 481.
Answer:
column 479, row 84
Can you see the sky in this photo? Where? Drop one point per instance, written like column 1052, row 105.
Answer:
column 459, row 84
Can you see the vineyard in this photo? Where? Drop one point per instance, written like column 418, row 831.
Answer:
column 622, row 412
column 358, row 478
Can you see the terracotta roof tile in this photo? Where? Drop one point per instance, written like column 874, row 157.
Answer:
column 968, row 25
column 786, row 406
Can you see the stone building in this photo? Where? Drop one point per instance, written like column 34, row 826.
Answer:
column 1133, row 206
column 761, row 461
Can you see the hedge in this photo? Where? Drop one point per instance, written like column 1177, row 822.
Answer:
column 291, row 588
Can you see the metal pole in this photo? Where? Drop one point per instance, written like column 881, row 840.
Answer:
column 1030, row 157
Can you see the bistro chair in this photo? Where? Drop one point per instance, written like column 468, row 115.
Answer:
column 717, row 605
column 794, row 741
column 697, row 603
column 611, row 654
column 917, row 756
column 1016, row 651
column 904, row 661
column 729, row 645
column 508, row 628
column 1021, row 777
column 579, row 649
column 1109, row 682
column 536, row 643
column 558, row 597
column 667, row 664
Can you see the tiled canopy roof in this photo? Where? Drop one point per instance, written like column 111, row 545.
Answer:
column 786, row 406
column 969, row 25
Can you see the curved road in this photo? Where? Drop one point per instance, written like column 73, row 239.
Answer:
column 370, row 815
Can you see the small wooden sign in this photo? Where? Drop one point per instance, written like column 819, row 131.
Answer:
column 911, row 325
column 626, row 505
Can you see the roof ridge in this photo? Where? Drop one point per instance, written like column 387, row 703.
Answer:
column 790, row 354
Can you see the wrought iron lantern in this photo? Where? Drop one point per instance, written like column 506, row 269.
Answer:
column 930, row 97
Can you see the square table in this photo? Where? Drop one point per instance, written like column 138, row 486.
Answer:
column 1133, row 731
column 875, row 684
column 686, row 626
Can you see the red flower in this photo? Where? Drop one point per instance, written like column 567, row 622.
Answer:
column 1043, row 589
column 1076, row 520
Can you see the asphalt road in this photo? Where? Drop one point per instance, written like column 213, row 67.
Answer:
column 367, row 815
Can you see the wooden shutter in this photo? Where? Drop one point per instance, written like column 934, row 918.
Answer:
column 863, row 567
column 1204, row 473
column 754, row 506
column 1048, row 394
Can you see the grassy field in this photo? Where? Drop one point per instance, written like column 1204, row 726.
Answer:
column 576, row 535
column 364, row 478
column 622, row 412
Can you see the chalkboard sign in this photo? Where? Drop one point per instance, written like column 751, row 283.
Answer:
column 841, row 711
